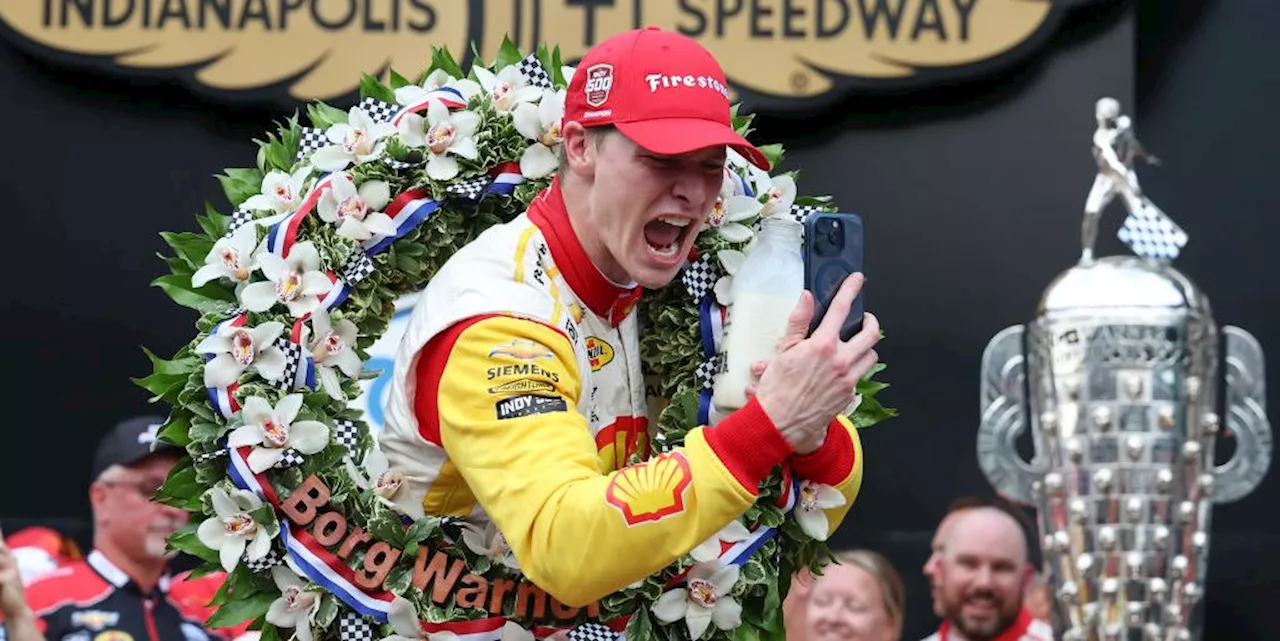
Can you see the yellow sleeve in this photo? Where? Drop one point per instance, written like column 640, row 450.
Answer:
column 837, row 463
column 530, row 461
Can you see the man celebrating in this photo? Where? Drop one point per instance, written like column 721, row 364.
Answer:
column 982, row 579
column 498, row 413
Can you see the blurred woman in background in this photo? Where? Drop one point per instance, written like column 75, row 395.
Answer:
column 859, row 597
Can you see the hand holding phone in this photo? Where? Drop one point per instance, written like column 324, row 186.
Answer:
column 833, row 249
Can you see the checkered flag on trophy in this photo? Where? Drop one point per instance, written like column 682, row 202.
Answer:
column 533, row 71
column 311, row 140
column 379, row 111
column 239, row 218
column 469, row 188
column 1152, row 235
column 357, row 266
column 346, row 435
column 699, row 277
column 592, row 631
column 264, row 564
column 353, row 627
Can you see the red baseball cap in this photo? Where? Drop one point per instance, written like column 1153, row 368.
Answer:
column 661, row 89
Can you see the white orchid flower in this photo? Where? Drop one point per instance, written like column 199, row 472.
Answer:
column 272, row 430
column 781, row 195
column 444, row 134
column 358, row 140
column 239, row 348
column 281, row 192
column 378, row 475
column 507, row 88
column 512, row 631
column 357, row 212
column 231, row 258
column 489, row 542
column 732, row 207
column 541, row 124
column 403, row 617
column 706, row 600
column 296, row 281
column 295, row 607
column 567, row 72
column 437, row 79
column 332, row 347
column 709, row 550
column 810, row 515
column 231, row 531
column 731, row 260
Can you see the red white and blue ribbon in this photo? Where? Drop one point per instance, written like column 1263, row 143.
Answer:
column 711, row 317
column 223, row 398
column 738, row 553
column 448, row 96
column 300, row 365
column 406, row 210
column 282, row 235
column 505, row 178
column 337, row 294
column 319, row 565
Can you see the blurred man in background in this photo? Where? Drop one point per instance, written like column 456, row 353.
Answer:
column 124, row 584
column 982, row 580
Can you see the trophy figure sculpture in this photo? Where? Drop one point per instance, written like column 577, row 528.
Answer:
column 1117, row 379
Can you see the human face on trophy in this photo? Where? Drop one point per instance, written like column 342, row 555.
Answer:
column 983, row 574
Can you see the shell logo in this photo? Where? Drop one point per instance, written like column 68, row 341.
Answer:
column 651, row 491
column 599, row 352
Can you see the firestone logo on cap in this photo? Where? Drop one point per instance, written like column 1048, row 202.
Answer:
column 599, row 82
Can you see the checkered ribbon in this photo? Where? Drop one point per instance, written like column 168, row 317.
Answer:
column 357, row 266
column 1152, row 235
column 239, row 218
column 533, row 71
column 706, row 372
column 292, row 362
column 700, row 276
column 311, row 140
column 210, row 456
column 592, row 631
column 353, row 627
column 264, row 564
column 291, row 458
column 347, row 435
column 801, row 212
column 378, row 111
column 469, row 188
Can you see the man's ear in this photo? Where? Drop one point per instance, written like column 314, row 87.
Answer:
column 580, row 153
column 98, row 499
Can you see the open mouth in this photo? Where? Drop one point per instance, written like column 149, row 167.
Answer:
column 666, row 234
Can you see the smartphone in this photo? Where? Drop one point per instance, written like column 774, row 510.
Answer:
column 833, row 249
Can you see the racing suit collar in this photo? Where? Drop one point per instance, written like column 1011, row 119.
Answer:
column 604, row 297
column 1014, row 632
column 117, row 577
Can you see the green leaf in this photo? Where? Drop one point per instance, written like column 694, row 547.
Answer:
column 270, row 633
column 206, row 298
column 640, row 627
column 508, row 54
column 236, row 612
column 328, row 610
column 772, row 152
column 181, row 483
column 871, row 412
column 397, row 81
column 175, row 430
column 398, row 580
column 240, row 184
column 213, row 223
column 190, row 247
column 442, row 59
column 163, row 387
column 385, row 526
column 371, row 88
column 204, row 431
column 323, row 116
column 185, row 539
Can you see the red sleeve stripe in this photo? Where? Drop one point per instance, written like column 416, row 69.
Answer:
column 832, row 463
column 748, row 444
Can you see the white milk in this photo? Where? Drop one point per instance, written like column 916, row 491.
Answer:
column 765, row 291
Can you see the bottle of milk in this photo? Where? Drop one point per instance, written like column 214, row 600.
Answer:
column 765, row 290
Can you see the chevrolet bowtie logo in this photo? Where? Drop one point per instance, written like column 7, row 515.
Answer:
column 790, row 52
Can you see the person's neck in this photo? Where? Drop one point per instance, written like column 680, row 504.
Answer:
column 146, row 575
column 577, row 203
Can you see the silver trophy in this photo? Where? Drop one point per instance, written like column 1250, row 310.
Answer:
column 1118, row 379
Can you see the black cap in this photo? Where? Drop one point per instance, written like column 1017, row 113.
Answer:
column 130, row 441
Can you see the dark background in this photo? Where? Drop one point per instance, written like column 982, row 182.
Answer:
column 972, row 196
